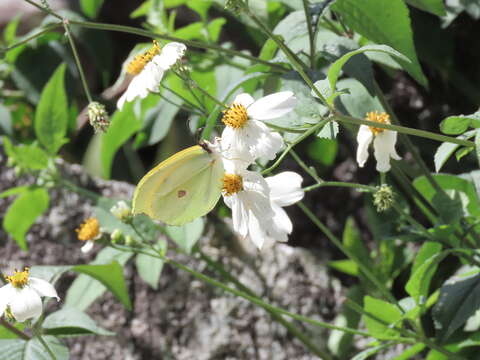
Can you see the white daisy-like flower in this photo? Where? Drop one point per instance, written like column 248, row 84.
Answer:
column 148, row 69
column 21, row 297
column 245, row 135
column 89, row 232
column 383, row 142
column 247, row 194
column 285, row 189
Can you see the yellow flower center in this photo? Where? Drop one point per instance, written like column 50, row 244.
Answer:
column 379, row 117
column 89, row 230
column 232, row 184
column 235, row 116
column 139, row 61
column 19, row 278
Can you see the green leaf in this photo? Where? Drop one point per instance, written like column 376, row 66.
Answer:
column 458, row 124
column 111, row 276
column 384, row 311
column 446, row 150
column 5, row 121
column 477, row 144
column 365, row 354
column 410, row 352
column 149, row 268
column 51, row 116
column 435, row 7
column 186, row 236
column 214, row 28
column 32, row 349
column 71, row 321
column 200, row 7
column 358, row 101
column 323, row 151
column 5, row 333
column 85, row 289
column 336, row 67
column 123, row 125
column 346, row 266
column 91, row 7
column 29, row 156
column 23, row 212
column 384, row 22
column 158, row 121
column 459, row 299
column 428, row 249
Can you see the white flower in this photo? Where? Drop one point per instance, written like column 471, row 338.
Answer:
column 21, row 297
column 121, row 211
column 285, row 189
column 148, row 69
column 383, row 142
column 245, row 135
column 247, row 194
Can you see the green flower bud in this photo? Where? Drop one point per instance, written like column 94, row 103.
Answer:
column 383, row 198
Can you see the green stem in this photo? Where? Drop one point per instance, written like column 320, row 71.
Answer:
column 13, row 329
column 340, row 184
column 311, row 37
column 77, row 61
column 288, row 325
column 381, row 287
column 45, row 345
column 306, row 134
column 77, row 189
column 291, row 56
column 34, row 36
column 44, row 9
column 244, row 295
column 195, row 85
column 404, row 130
column 191, row 104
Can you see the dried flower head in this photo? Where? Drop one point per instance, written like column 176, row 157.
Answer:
column 98, row 117
column 383, row 198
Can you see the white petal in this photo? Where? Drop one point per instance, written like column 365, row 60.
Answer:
column 6, row 292
column 87, row 247
column 256, row 234
column 364, row 138
column 384, row 148
column 272, row 106
column 169, row 55
column 43, row 288
column 253, row 182
column 25, row 304
column 262, row 142
column 281, row 222
column 239, row 215
column 244, row 99
column 285, row 188
column 234, row 148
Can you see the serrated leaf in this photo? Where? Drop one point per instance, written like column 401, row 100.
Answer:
column 71, row 321
column 123, row 125
column 382, row 310
column 384, row 22
column 336, row 67
column 29, row 156
column 51, row 116
column 186, row 236
column 23, row 212
column 358, row 101
column 459, row 299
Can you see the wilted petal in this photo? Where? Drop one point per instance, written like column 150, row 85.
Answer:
column 43, row 288
column 25, row 304
column 272, row 106
column 364, row 138
column 285, row 188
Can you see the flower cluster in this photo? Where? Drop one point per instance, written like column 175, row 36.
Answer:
column 256, row 203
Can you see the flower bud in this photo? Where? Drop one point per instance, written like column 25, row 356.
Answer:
column 116, row 236
column 383, row 198
column 122, row 211
column 98, row 116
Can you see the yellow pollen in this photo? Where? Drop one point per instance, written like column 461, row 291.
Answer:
column 139, row 61
column 89, row 230
column 19, row 278
column 232, row 184
column 379, row 117
column 235, row 116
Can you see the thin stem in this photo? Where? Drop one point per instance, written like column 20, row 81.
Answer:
column 404, row 130
column 13, row 329
column 311, row 36
column 34, row 36
column 244, row 295
column 203, row 91
column 191, row 104
column 77, row 189
column 309, row 170
column 77, row 61
column 45, row 345
column 306, row 134
column 288, row 325
column 340, row 184
column 44, row 9
column 383, row 289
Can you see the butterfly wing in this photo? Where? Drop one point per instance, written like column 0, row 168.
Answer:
column 181, row 188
